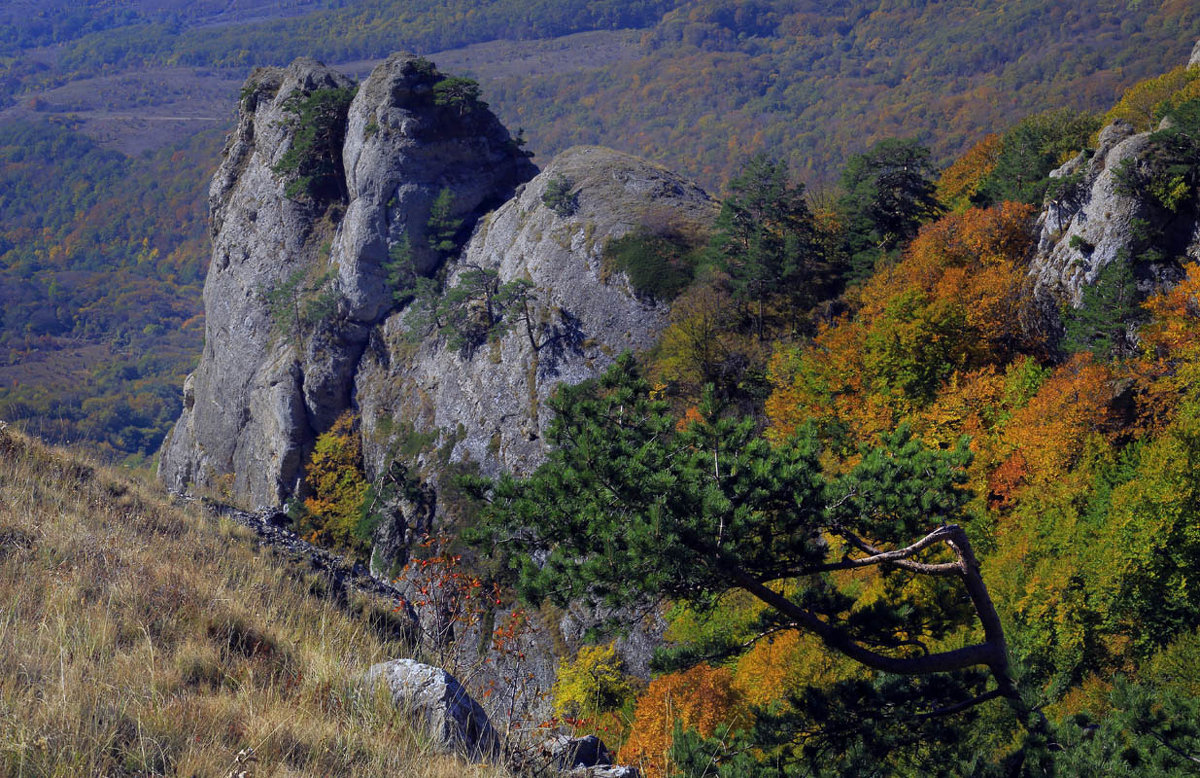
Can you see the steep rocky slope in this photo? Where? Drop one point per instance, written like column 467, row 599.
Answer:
column 1095, row 221
column 267, row 384
column 302, row 316
column 489, row 401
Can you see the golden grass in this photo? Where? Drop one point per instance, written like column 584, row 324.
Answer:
column 141, row 638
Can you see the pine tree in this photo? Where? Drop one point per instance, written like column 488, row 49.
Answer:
column 888, row 193
column 766, row 239
column 633, row 506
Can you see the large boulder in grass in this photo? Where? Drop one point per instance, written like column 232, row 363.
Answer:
column 436, row 702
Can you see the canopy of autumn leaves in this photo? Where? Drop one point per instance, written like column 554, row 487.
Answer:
column 1086, row 502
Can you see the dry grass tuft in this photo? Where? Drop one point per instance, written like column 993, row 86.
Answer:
column 142, row 639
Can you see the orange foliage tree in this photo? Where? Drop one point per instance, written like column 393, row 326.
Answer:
column 947, row 307
column 1169, row 364
column 702, row 698
column 962, row 180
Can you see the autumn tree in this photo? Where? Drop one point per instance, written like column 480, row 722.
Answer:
column 701, row 698
column 633, row 507
column 592, row 689
column 337, row 485
column 1142, row 104
column 961, row 181
column 703, row 344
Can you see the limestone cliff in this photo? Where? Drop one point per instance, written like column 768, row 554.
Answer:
column 297, row 282
column 434, row 404
column 1104, row 206
column 487, row 403
column 302, row 311
column 1093, row 218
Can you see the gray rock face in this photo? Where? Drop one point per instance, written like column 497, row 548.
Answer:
column 1088, row 227
column 486, row 406
column 436, row 702
column 1091, row 222
column 246, row 424
column 1194, row 61
column 401, row 151
column 567, row 753
column 609, row 771
column 265, row 388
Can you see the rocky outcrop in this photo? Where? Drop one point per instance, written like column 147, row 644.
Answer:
column 436, row 703
column 300, row 300
column 440, row 408
column 295, row 286
column 307, row 313
column 566, row 753
column 401, row 151
column 1090, row 220
column 485, row 405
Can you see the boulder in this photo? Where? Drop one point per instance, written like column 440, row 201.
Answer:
column 436, row 702
column 566, row 753
column 608, row 771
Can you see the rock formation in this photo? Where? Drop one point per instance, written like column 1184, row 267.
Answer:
column 487, row 402
column 303, row 315
column 276, row 372
column 439, row 706
column 1091, row 219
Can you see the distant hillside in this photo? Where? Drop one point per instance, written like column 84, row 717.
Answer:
column 93, row 345
column 102, row 259
column 813, row 82
column 713, row 80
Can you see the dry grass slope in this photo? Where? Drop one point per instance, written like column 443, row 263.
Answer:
column 140, row 638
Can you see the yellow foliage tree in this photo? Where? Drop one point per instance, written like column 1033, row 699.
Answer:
column 338, row 487
column 785, row 663
column 1143, row 101
column 1169, row 366
column 593, row 685
column 946, row 307
column 962, row 180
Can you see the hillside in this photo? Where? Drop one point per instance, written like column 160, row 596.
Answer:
column 146, row 637
column 892, row 483
column 698, row 86
column 895, row 479
column 100, row 281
